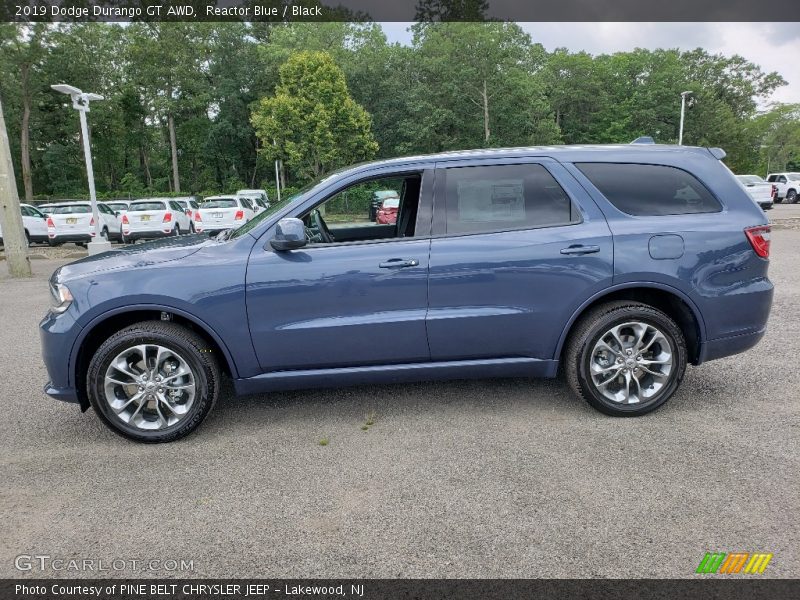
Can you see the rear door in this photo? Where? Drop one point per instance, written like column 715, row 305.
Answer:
column 517, row 248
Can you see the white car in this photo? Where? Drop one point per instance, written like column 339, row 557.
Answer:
column 787, row 184
column 74, row 222
column 218, row 213
column 35, row 223
column 762, row 192
column 153, row 218
column 258, row 198
column 189, row 206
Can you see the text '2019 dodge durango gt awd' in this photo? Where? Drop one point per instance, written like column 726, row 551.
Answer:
column 499, row 263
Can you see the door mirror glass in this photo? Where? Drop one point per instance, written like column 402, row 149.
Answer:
column 290, row 234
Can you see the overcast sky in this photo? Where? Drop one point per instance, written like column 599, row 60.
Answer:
column 773, row 46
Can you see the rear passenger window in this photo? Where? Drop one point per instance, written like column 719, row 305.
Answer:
column 650, row 190
column 504, row 197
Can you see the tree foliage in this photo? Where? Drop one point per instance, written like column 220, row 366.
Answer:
column 195, row 106
column 312, row 122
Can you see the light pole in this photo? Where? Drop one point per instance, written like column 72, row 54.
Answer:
column 80, row 102
column 683, row 111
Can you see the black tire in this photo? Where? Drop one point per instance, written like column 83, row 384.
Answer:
column 191, row 227
column 177, row 231
column 27, row 238
column 592, row 326
column 190, row 346
column 791, row 196
column 53, row 243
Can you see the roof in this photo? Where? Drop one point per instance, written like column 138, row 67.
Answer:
column 610, row 152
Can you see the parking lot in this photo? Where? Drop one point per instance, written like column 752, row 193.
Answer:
column 511, row 478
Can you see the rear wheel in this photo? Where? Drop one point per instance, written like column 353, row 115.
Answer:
column 153, row 382
column 625, row 358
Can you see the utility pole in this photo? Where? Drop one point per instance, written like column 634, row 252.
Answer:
column 14, row 240
column 683, row 111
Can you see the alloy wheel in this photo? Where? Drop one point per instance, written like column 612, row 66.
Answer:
column 150, row 387
column 631, row 363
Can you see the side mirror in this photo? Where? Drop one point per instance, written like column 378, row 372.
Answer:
column 290, row 234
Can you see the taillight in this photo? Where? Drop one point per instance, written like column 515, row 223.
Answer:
column 167, row 217
column 774, row 191
column 50, row 222
column 239, row 215
column 759, row 239
column 91, row 222
column 125, row 220
column 197, row 216
column 189, row 213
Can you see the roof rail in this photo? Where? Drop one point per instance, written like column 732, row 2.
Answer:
column 645, row 139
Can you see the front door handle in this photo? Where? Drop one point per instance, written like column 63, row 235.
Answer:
column 399, row 263
column 580, row 249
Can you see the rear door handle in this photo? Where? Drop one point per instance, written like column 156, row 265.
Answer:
column 399, row 263
column 580, row 249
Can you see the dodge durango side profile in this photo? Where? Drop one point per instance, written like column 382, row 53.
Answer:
column 504, row 262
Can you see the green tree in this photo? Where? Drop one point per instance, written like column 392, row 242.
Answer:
column 313, row 122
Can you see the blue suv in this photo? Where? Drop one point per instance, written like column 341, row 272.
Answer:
column 621, row 264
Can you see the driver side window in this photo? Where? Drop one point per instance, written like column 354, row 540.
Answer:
column 376, row 209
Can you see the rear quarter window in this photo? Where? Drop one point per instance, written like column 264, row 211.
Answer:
column 650, row 190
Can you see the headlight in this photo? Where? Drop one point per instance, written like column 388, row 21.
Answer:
column 62, row 298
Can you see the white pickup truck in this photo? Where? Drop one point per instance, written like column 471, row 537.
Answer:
column 788, row 185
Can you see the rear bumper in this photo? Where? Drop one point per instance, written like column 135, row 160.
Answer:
column 71, row 237
column 729, row 346
column 146, row 235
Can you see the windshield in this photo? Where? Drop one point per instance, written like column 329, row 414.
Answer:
column 222, row 203
column 137, row 206
column 71, row 210
column 391, row 203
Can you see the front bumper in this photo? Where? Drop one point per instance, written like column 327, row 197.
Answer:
column 64, row 394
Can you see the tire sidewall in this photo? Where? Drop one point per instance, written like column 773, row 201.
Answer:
column 650, row 317
column 204, row 396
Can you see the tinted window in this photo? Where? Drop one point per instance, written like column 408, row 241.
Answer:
column 137, row 206
column 176, row 206
column 503, row 197
column 246, row 203
column 118, row 206
column 72, row 209
column 222, row 203
column 650, row 190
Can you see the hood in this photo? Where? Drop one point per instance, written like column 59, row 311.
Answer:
column 136, row 256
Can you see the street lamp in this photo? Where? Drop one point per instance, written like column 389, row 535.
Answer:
column 80, row 102
column 683, row 110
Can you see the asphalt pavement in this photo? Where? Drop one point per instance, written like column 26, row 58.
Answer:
column 510, row 478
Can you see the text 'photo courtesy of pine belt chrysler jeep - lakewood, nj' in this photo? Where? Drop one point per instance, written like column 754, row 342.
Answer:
column 494, row 263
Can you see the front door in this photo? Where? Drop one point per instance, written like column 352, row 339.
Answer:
column 357, row 298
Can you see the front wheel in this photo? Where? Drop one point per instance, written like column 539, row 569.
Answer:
column 153, row 382
column 625, row 358
column 791, row 196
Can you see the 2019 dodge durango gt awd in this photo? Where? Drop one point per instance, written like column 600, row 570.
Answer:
column 504, row 262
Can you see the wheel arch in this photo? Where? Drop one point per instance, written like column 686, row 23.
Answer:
column 668, row 299
column 108, row 323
